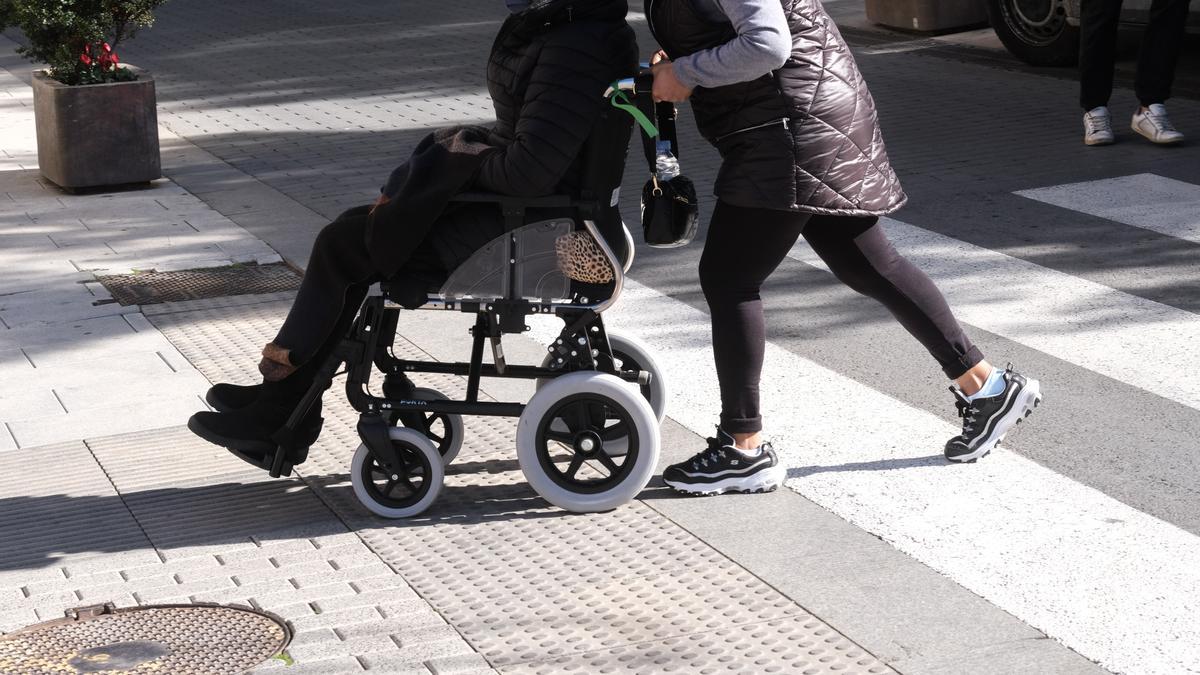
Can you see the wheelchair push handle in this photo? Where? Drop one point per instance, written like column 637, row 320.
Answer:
column 642, row 82
column 623, row 93
column 628, row 84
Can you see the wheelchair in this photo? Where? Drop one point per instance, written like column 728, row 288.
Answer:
column 588, row 439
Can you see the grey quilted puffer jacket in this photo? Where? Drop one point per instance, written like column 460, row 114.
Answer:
column 804, row 137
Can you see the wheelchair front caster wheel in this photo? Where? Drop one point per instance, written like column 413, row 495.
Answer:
column 587, row 442
column 445, row 430
column 405, row 491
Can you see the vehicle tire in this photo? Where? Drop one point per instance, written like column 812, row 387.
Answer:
column 564, row 430
column 1036, row 31
column 445, row 430
column 410, row 489
column 631, row 354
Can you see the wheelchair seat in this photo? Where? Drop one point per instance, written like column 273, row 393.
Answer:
column 528, row 269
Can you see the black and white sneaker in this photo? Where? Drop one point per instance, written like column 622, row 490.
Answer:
column 723, row 468
column 986, row 420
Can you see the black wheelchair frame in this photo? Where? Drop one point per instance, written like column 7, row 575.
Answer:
column 582, row 345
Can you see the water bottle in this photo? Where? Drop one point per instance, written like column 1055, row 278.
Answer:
column 666, row 166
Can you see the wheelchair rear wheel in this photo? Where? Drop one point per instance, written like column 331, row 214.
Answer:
column 631, row 354
column 408, row 489
column 445, row 430
column 587, row 442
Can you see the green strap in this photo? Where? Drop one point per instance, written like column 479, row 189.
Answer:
column 620, row 100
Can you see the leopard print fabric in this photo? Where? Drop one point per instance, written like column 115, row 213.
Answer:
column 581, row 258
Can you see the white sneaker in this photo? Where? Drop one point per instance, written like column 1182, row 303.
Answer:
column 1097, row 127
column 1155, row 125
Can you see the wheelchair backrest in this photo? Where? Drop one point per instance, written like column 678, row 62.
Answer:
column 603, row 158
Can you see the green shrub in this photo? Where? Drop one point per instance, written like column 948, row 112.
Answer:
column 78, row 39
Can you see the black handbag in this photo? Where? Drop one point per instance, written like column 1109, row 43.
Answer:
column 670, row 212
column 670, row 209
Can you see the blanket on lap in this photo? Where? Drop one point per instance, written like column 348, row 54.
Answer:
column 443, row 164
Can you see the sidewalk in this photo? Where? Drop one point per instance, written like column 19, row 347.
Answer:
column 117, row 501
column 944, row 571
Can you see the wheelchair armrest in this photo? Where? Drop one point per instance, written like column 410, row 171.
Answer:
column 509, row 201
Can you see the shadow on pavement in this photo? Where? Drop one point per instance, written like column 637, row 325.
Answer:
column 879, row 465
column 43, row 529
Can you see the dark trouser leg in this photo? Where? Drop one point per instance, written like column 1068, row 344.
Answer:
column 1160, row 50
column 1097, row 50
column 743, row 247
column 860, row 255
column 338, row 277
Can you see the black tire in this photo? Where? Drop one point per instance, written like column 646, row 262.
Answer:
column 1036, row 31
column 446, row 431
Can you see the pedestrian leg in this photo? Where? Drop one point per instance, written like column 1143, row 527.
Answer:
column 1098, row 23
column 1160, row 50
column 861, row 256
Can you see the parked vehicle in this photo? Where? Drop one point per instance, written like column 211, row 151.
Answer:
column 1046, row 32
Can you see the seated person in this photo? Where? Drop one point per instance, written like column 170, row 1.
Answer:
column 547, row 72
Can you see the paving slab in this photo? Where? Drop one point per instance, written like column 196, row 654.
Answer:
column 54, row 519
column 74, row 364
column 157, row 517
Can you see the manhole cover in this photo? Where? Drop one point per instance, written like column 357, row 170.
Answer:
column 151, row 288
column 165, row 639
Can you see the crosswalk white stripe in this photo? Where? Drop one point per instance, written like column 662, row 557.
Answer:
column 1115, row 584
column 1081, row 322
column 1145, row 200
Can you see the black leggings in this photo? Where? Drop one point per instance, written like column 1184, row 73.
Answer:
column 744, row 245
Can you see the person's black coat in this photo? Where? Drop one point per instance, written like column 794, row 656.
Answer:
column 547, row 72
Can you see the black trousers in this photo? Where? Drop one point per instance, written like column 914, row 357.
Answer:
column 745, row 245
column 336, row 282
column 1156, row 60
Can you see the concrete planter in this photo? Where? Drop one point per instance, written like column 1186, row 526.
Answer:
column 97, row 134
column 928, row 16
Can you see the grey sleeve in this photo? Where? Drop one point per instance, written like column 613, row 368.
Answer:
column 763, row 44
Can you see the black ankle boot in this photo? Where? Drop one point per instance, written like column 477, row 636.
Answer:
column 224, row 397
column 255, row 429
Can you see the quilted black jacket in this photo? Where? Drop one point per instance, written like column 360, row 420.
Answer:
column 547, row 73
column 804, row 137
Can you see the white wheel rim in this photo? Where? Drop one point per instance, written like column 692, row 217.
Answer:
column 553, row 470
column 421, row 452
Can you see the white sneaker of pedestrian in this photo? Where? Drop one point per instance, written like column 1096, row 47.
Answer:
column 1155, row 125
column 1097, row 127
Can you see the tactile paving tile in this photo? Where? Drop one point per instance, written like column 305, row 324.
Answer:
column 532, row 588
column 185, row 506
column 802, row 645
